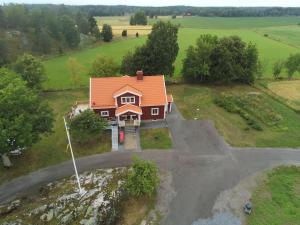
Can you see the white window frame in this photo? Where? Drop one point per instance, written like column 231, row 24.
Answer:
column 128, row 100
column 104, row 113
column 153, row 113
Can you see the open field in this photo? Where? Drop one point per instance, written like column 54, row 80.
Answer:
column 231, row 22
column 288, row 90
column 277, row 199
column 270, row 50
column 158, row 138
column 120, row 23
column 197, row 102
column 51, row 149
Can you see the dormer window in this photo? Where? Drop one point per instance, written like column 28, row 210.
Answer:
column 128, row 100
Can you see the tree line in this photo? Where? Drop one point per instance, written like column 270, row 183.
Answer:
column 45, row 29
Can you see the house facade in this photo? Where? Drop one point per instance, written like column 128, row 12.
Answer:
column 130, row 100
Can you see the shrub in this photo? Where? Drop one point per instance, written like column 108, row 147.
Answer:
column 124, row 33
column 143, row 179
column 86, row 127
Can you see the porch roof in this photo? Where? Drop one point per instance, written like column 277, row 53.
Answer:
column 128, row 108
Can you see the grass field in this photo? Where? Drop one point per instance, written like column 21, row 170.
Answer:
column 270, row 48
column 51, row 149
column 158, row 138
column 276, row 201
column 232, row 126
column 231, row 22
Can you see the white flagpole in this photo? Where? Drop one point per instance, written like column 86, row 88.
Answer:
column 73, row 159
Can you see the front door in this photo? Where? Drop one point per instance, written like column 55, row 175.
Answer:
column 132, row 117
column 124, row 117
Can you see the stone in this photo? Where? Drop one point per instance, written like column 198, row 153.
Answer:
column 90, row 221
column 39, row 210
column 67, row 218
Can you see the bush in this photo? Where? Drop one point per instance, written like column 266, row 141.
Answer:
column 86, row 127
column 124, row 33
column 143, row 179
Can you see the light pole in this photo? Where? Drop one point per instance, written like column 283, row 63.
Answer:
column 73, row 159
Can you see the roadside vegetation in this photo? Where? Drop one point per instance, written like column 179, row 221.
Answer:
column 247, row 116
column 277, row 199
column 156, row 138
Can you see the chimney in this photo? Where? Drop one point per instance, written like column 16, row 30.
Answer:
column 139, row 75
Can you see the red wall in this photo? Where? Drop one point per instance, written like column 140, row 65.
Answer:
column 147, row 113
column 127, row 95
column 111, row 112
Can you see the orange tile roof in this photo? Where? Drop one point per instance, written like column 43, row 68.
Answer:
column 170, row 98
column 125, row 108
column 127, row 88
column 103, row 89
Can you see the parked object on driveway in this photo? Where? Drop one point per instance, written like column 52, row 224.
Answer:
column 6, row 161
column 121, row 136
column 248, row 208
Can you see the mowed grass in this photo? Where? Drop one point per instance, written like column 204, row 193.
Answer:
column 276, row 201
column 52, row 149
column 197, row 102
column 286, row 34
column 157, row 138
column 59, row 75
column 231, row 22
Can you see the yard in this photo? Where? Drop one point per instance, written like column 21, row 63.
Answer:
column 52, row 149
column 276, row 200
column 157, row 138
column 198, row 102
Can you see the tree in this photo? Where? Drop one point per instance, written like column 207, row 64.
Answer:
column 222, row 60
column 83, row 23
column 277, row 68
column 31, row 70
column 173, row 16
column 2, row 19
column 43, row 42
column 292, row 64
column 107, row 33
column 23, row 116
column 76, row 69
column 157, row 55
column 104, row 67
column 137, row 34
column 124, row 33
column 143, row 179
column 70, row 31
column 87, row 126
column 4, row 52
column 92, row 24
column 139, row 18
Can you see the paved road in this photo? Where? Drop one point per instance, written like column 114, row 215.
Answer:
column 201, row 163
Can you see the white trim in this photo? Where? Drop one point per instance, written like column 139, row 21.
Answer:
column 154, row 114
column 126, row 101
column 90, row 102
column 128, row 110
column 124, row 92
column 165, row 89
column 106, row 112
column 104, row 107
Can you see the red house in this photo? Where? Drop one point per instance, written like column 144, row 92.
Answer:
column 128, row 100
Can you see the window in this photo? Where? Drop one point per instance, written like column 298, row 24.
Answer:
column 128, row 100
column 104, row 113
column 154, row 111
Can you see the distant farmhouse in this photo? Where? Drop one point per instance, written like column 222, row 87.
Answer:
column 130, row 100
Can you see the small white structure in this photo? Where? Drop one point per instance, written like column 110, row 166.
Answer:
column 79, row 107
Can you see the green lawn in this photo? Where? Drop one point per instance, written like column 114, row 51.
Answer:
column 197, row 102
column 277, row 200
column 157, row 138
column 51, row 149
column 59, row 76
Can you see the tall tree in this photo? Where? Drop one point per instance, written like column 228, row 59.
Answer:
column 23, row 116
column 104, row 66
column 277, row 68
column 70, row 31
column 107, row 34
column 292, row 64
column 139, row 18
column 76, row 70
column 82, row 23
column 92, row 24
column 31, row 70
column 4, row 52
column 2, row 19
column 158, row 54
